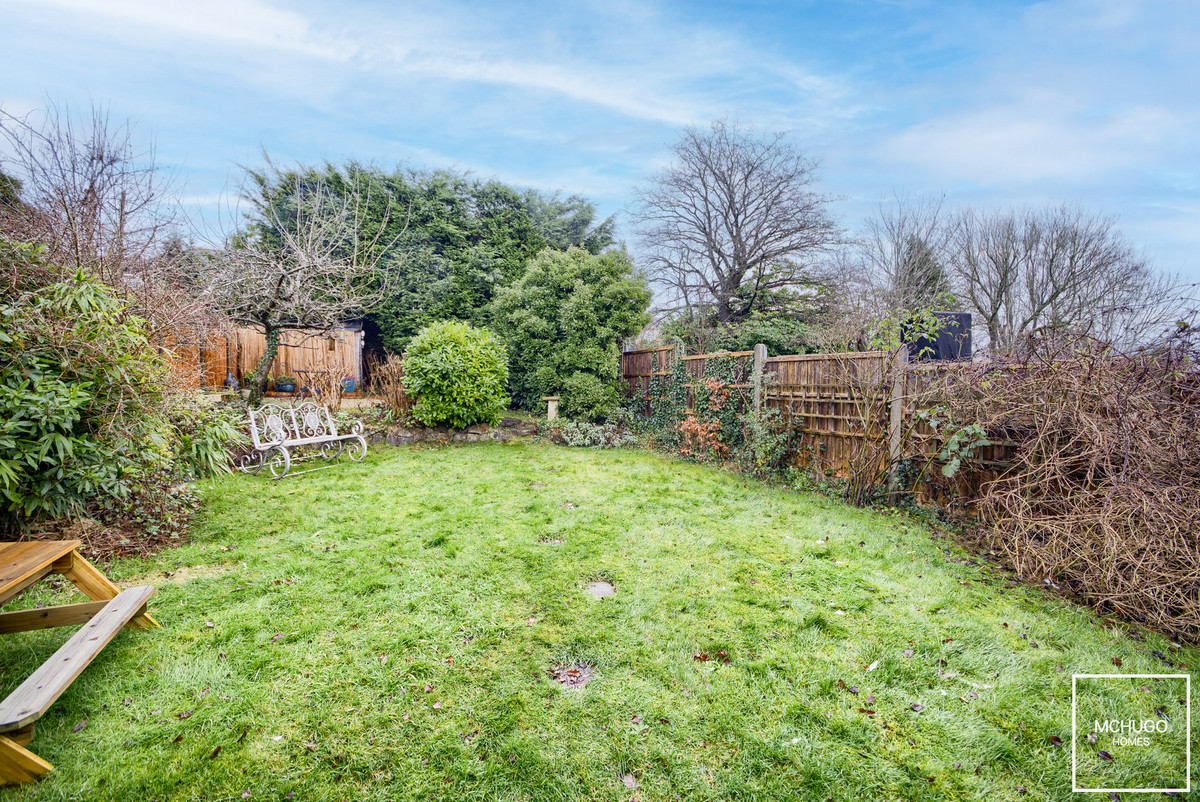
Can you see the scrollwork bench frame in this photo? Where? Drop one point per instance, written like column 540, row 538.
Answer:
column 276, row 431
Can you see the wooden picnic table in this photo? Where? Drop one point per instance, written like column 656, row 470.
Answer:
column 21, row 566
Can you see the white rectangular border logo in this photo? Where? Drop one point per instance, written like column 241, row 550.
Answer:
column 1075, row 786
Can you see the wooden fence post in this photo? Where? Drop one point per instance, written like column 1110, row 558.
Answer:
column 756, row 380
column 896, row 419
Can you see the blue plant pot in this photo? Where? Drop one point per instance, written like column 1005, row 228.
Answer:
column 348, row 386
column 285, row 387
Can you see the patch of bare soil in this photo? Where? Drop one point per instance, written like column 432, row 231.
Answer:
column 102, row 542
column 573, row 675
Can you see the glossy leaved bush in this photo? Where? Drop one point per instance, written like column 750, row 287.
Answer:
column 86, row 422
column 456, row 375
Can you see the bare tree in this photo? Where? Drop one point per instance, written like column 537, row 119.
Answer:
column 303, row 263
column 903, row 250
column 732, row 224
column 83, row 188
column 1055, row 269
column 87, row 191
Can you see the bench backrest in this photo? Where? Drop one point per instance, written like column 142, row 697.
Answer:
column 273, row 424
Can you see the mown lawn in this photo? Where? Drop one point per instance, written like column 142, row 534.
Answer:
column 386, row 630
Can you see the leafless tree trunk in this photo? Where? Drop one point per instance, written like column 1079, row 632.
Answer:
column 309, row 267
column 904, row 252
column 732, row 221
column 96, row 201
column 1056, row 269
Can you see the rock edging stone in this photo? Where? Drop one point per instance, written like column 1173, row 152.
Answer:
column 506, row 429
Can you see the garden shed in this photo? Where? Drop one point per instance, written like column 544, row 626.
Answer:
column 203, row 359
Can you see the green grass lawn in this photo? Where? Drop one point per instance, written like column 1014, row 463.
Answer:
column 386, row 630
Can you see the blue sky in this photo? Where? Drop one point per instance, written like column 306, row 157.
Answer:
column 994, row 103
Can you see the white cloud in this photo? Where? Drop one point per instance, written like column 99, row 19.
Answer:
column 1025, row 143
column 247, row 23
column 612, row 92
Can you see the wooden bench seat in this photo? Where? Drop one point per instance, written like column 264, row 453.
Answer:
column 35, row 695
column 21, row 566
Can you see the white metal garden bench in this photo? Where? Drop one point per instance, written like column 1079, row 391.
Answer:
column 276, row 431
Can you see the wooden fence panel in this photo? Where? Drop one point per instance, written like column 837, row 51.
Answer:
column 204, row 360
column 825, row 398
column 639, row 367
column 697, row 366
column 844, row 407
column 196, row 359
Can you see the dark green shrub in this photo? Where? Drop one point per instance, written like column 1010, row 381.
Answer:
column 81, row 402
column 456, row 375
column 204, row 436
column 586, row 397
column 568, row 314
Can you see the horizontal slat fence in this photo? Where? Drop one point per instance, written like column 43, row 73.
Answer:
column 822, row 395
column 639, row 369
column 696, row 366
column 842, row 406
column 203, row 359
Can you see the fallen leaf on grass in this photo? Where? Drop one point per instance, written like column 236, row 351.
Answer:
column 78, row 727
column 865, row 711
column 909, row 653
column 918, row 707
column 437, row 705
column 1055, row 740
column 216, row 751
column 629, row 781
column 177, row 738
column 1116, row 661
column 1093, row 738
column 186, row 714
column 1104, row 755
column 870, row 699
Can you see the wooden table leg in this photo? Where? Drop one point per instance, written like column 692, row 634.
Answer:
column 18, row 764
column 94, row 584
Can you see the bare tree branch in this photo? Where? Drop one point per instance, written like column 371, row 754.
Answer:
column 1056, row 269
column 304, row 263
column 732, row 221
